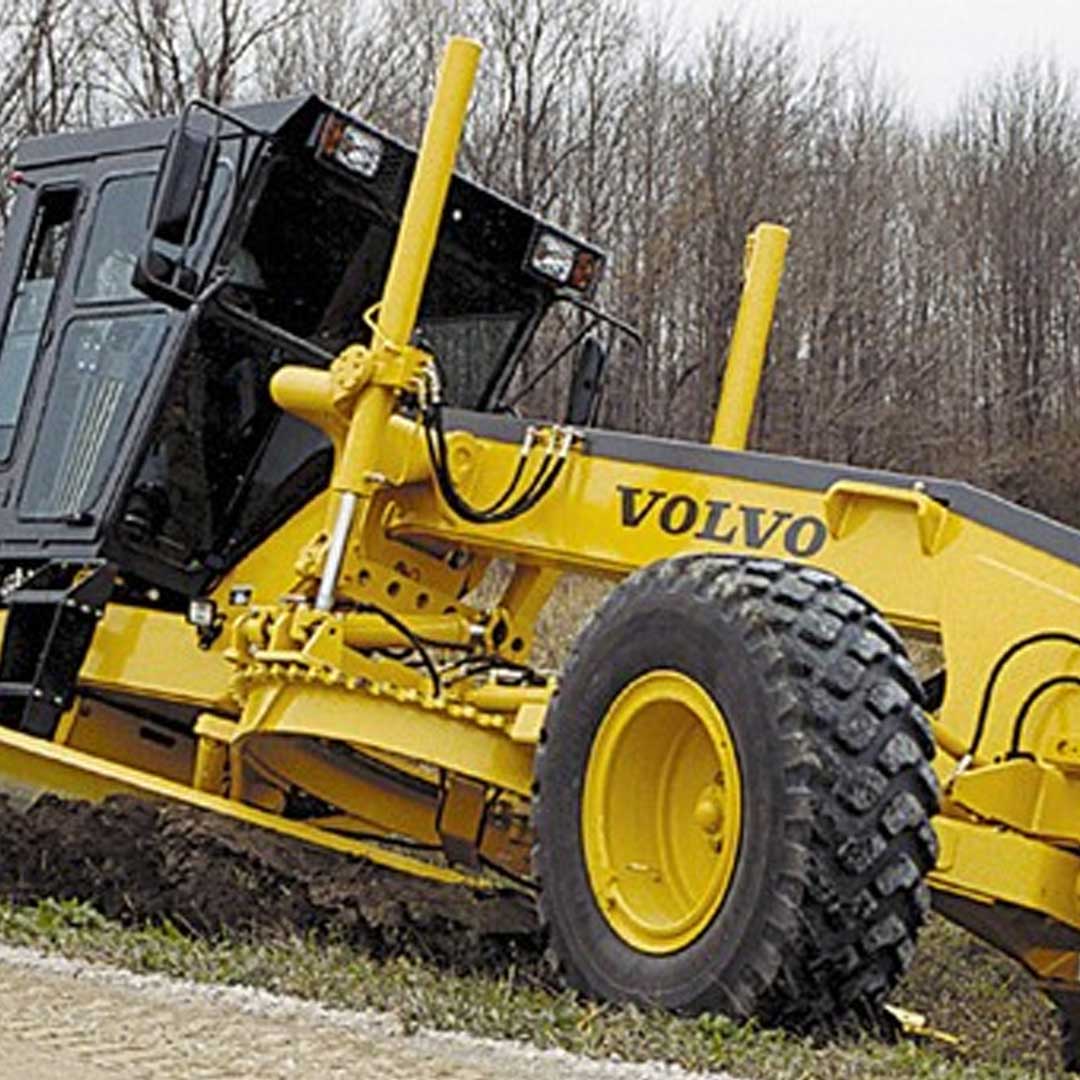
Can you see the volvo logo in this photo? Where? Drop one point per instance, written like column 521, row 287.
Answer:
column 751, row 527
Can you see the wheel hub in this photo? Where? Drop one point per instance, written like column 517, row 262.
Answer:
column 709, row 811
column 662, row 812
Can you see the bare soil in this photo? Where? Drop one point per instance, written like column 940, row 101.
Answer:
column 137, row 862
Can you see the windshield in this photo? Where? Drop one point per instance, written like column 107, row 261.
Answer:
column 313, row 260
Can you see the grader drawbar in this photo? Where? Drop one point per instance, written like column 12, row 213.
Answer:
column 255, row 462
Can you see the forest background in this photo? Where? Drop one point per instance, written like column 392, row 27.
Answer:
column 929, row 319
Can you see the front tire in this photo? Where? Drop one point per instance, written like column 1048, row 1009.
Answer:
column 733, row 797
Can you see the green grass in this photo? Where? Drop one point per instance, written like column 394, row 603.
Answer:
column 1002, row 1037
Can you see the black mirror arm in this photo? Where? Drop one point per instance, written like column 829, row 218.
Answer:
column 632, row 332
column 549, row 366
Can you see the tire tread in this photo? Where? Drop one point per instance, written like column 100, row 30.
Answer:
column 853, row 750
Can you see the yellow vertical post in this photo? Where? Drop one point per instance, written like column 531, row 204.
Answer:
column 765, row 249
column 423, row 210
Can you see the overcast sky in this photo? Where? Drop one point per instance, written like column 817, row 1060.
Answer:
column 932, row 48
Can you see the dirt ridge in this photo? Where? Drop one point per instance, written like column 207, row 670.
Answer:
column 139, row 862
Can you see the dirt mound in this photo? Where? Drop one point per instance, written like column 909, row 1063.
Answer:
column 137, row 862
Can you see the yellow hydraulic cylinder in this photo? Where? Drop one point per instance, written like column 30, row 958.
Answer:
column 372, row 632
column 765, row 249
column 372, row 377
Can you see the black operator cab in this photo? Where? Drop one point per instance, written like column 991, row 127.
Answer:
column 155, row 276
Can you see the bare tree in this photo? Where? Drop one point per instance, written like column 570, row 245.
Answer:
column 349, row 51
column 45, row 50
column 929, row 317
column 157, row 54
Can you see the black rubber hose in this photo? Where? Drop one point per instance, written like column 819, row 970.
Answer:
column 1029, row 701
column 403, row 629
column 546, row 474
column 991, row 683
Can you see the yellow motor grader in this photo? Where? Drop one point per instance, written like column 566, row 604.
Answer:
column 257, row 466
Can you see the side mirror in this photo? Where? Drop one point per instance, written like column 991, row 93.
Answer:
column 176, row 216
column 183, row 186
column 586, row 384
column 195, row 196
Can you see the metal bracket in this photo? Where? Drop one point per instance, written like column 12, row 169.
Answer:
column 461, row 820
column 931, row 517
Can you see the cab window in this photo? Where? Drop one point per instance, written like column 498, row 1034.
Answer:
column 43, row 261
column 119, row 234
column 115, row 240
column 102, row 368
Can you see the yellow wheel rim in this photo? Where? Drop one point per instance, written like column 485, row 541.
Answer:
column 662, row 812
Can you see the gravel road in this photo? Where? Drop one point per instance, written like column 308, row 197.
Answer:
column 63, row 1019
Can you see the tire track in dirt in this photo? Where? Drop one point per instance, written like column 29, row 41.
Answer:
column 63, row 1018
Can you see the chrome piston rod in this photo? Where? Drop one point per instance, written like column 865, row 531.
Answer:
column 324, row 599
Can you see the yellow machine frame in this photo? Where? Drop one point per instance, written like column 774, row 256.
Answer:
column 287, row 691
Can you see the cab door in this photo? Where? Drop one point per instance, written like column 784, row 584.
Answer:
column 39, row 237
column 80, row 356
column 106, row 341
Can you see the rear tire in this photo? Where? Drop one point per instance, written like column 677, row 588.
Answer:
column 733, row 799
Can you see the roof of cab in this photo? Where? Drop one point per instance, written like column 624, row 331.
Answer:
column 144, row 134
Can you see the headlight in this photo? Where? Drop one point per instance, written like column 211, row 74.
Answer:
column 357, row 150
column 553, row 257
column 563, row 261
column 586, row 267
column 202, row 613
